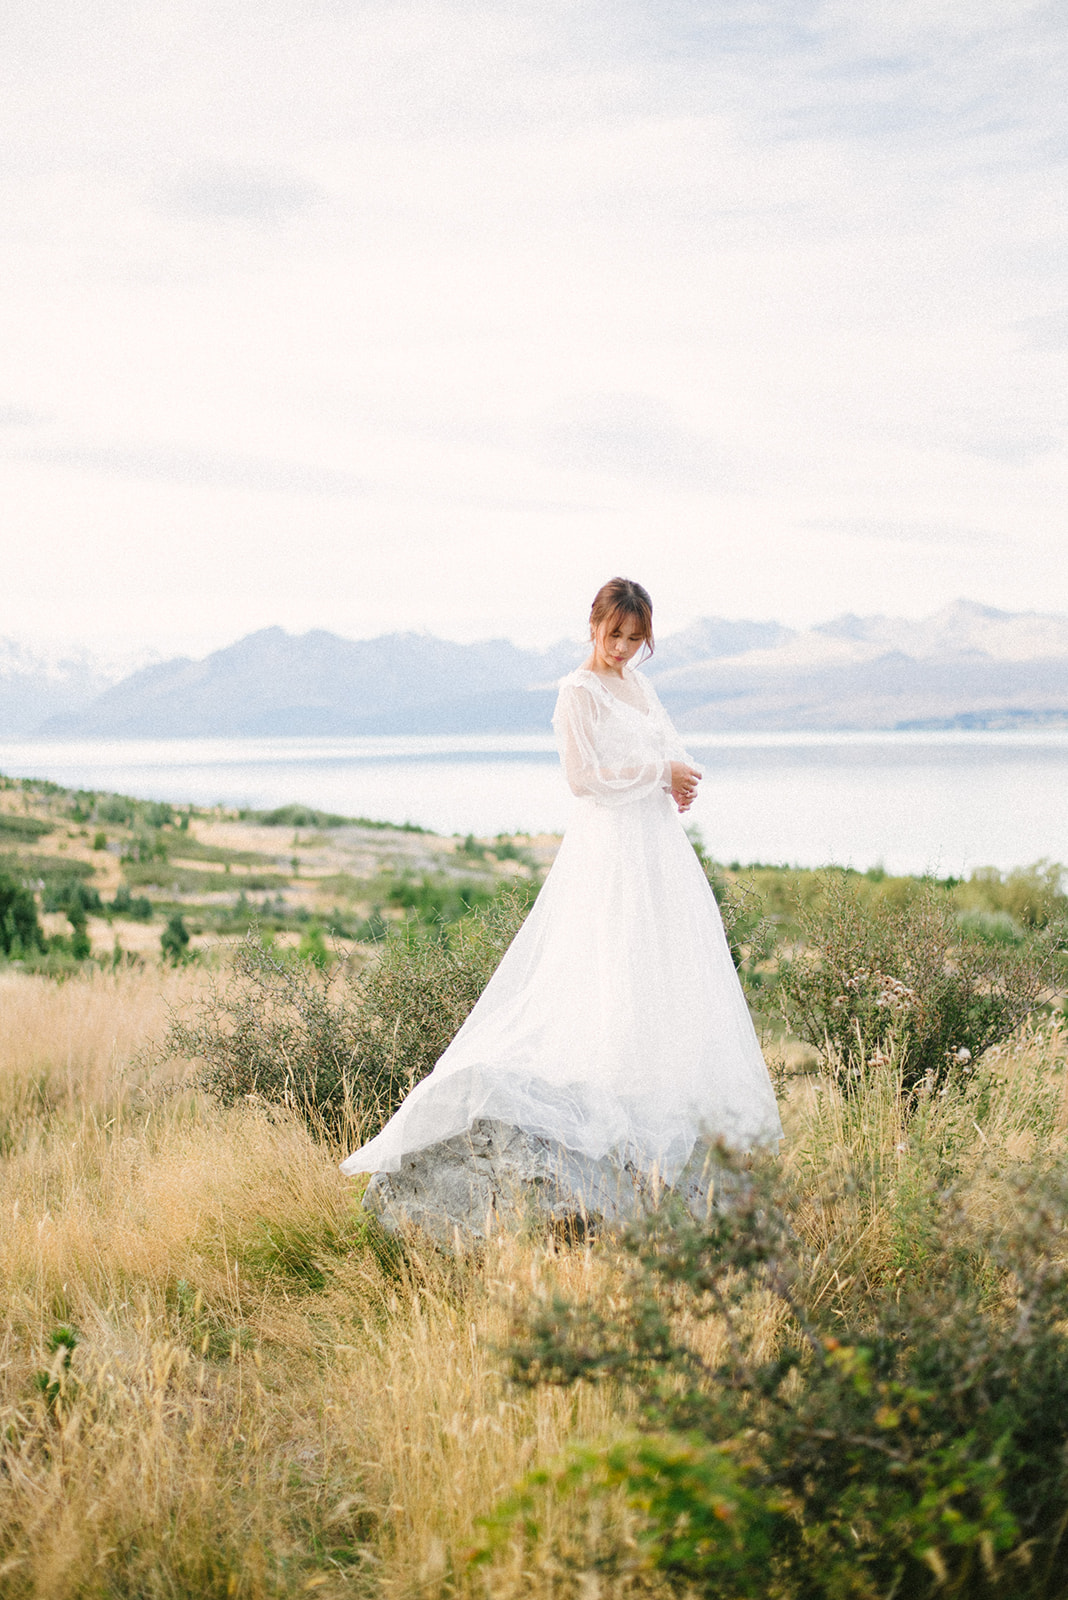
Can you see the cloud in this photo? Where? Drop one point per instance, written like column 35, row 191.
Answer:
column 1047, row 331
column 200, row 468
column 18, row 417
column 637, row 436
column 241, row 194
column 904, row 532
column 1001, row 438
column 534, row 289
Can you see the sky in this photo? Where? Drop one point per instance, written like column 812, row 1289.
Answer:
column 434, row 316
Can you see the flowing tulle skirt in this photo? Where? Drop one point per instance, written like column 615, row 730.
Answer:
column 615, row 1022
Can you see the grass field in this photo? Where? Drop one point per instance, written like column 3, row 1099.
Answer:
column 263, row 1398
column 217, row 1379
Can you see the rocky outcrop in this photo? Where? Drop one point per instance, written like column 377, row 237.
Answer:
column 466, row 1188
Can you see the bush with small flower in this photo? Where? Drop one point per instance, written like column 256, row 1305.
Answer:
column 911, row 1442
column 873, row 979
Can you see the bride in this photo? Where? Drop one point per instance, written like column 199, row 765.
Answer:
column 615, row 1023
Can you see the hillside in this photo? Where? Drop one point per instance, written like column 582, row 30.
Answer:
column 967, row 665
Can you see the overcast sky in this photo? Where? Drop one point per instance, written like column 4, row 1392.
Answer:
column 376, row 316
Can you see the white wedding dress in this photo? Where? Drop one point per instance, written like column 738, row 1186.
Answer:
column 615, row 1023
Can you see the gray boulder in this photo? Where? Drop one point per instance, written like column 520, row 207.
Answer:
column 466, row 1188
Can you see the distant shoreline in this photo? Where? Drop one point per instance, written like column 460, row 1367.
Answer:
column 913, row 800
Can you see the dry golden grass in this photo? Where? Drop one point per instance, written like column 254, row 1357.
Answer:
column 264, row 1399
column 868, row 1163
column 268, row 1399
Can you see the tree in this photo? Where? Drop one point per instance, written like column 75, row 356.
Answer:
column 174, row 940
column 81, row 946
column 20, row 930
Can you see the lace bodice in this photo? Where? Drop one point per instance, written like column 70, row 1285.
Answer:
column 615, row 751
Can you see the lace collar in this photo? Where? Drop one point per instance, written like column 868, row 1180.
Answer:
column 586, row 676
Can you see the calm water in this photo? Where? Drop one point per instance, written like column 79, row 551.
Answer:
column 914, row 802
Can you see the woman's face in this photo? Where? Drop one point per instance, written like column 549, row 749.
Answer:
column 616, row 642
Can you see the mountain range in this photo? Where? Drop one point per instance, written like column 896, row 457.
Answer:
column 965, row 666
column 38, row 684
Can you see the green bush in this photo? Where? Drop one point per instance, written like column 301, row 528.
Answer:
column 742, row 908
column 137, row 908
column 20, row 931
column 174, row 940
column 23, row 830
column 60, row 894
column 147, row 847
column 342, row 1050
column 439, row 900
column 916, row 1447
column 297, row 816
column 997, row 927
column 80, row 944
column 312, row 947
column 750, row 933
column 1032, row 896
column 115, row 808
column 876, row 979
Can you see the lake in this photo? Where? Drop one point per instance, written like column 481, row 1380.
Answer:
column 945, row 802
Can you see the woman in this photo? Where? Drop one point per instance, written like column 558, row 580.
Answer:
column 615, row 1024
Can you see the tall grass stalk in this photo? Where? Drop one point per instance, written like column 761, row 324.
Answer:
column 872, row 1161
column 218, row 1379
column 265, row 1397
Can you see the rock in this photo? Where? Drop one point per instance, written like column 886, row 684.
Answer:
column 465, row 1188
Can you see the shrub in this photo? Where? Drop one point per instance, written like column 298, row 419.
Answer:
column 296, row 816
column 877, row 978
column 60, row 894
column 147, row 847
column 20, row 931
column 416, row 996
column 342, row 1050
column 997, row 927
column 312, row 947
column 439, row 900
column 80, row 944
column 115, row 808
column 138, row 908
column 750, row 933
column 22, row 829
column 174, row 940
column 1032, row 896
column 917, row 1447
column 506, row 849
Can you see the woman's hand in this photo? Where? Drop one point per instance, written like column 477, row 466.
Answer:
column 684, row 781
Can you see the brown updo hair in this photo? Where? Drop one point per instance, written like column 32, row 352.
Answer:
column 619, row 599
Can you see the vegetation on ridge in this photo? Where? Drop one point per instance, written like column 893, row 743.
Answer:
column 117, row 872
column 219, row 1378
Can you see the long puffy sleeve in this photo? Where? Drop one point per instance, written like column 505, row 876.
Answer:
column 594, row 764
column 672, row 744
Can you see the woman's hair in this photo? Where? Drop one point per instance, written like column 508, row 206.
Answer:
column 622, row 598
